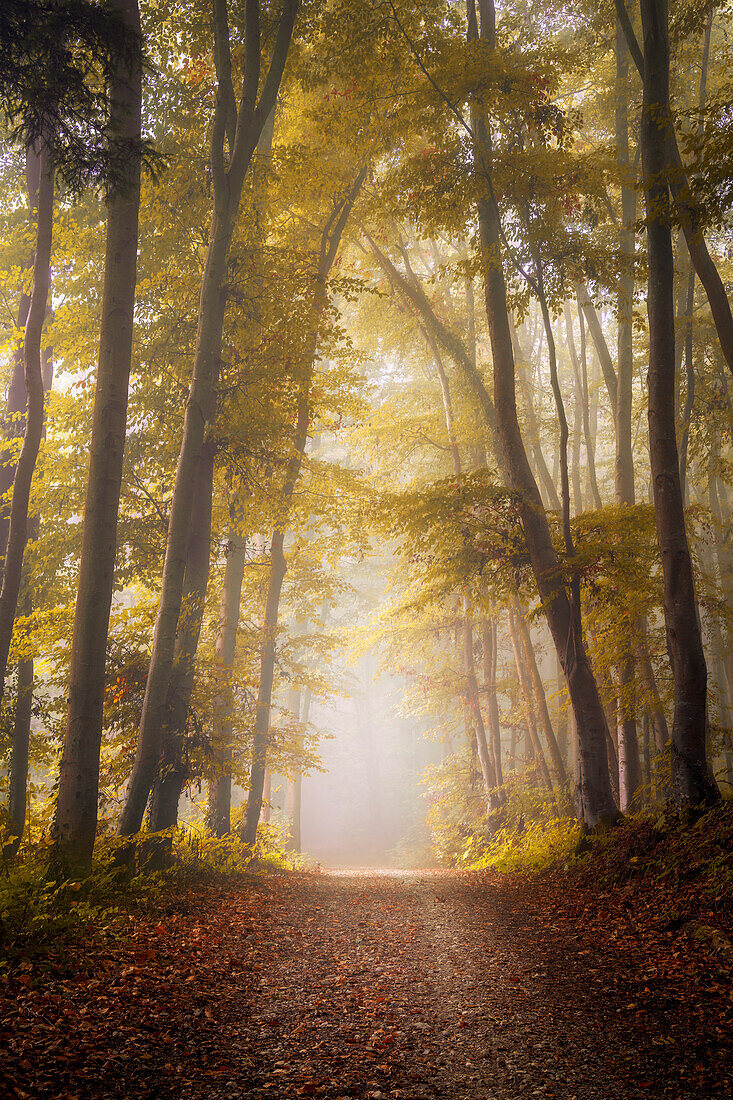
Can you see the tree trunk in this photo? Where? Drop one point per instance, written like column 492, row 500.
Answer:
column 525, row 685
column 242, row 129
column 597, row 798
column 76, row 812
column 629, row 761
column 489, row 653
column 173, row 770
column 33, row 372
column 476, row 718
column 220, row 777
column 691, row 777
column 580, row 370
column 546, row 481
column 599, row 342
column 541, row 699
column 18, row 779
column 330, row 241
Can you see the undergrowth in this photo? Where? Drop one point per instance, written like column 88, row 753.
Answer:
column 36, row 910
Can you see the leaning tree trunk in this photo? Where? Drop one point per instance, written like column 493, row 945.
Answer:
column 691, row 777
column 76, row 811
column 33, row 371
column 597, row 798
column 240, row 127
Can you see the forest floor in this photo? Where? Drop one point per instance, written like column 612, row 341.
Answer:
column 434, row 984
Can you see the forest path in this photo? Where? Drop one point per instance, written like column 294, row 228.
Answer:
column 425, row 985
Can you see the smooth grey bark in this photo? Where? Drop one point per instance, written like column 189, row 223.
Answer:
column 489, row 651
column 76, row 811
column 473, row 700
column 690, row 293
column 19, row 757
column 688, row 211
column 543, row 712
column 238, row 127
column 33, row 432
column 585, row 303
column 629, row 760
column 692, row 780
column 220, row 775
column 546, row 481
column 596, row 796
column 173, row 768
column 580, row 370
column 525, row 685
column 474, row 713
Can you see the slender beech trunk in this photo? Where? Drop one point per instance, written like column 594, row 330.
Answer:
column 690, row 291
column 33, row 373
column 692, row 780
column 173, row 770
column 659, row 726
column 595, row 328
column 12, row 431
column 597, row 798
column 525, row 685
column 330, row 241
column 542, row 709
column 278, row 567
column 489, row 650
column 239, row 127
column 76, row 811
column 545, row 477
column 291, row 792
column 629, row 761
column 580, row 370
column 575, row 452
column 19, row 758
column 688, row 211
column 296, row 833
column 476, row 719
column 473, row 699
column 220, row 776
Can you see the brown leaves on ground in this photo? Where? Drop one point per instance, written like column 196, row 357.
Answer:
column 470, row 986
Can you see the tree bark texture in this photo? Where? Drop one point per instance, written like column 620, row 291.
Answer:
column 597, row 798
column 240, row 128
column 76, row 812
column 691, row 777
column 173, row 768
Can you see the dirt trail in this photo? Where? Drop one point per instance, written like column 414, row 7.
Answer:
column 428, row 986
